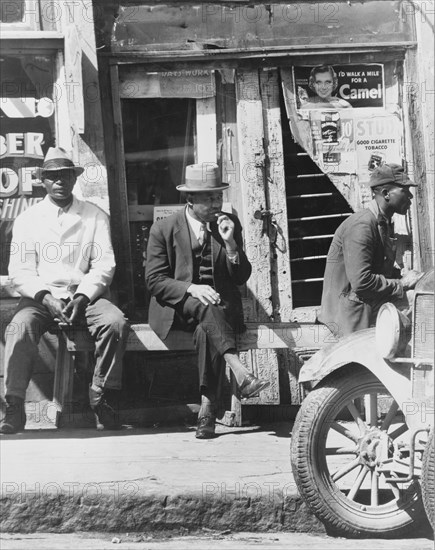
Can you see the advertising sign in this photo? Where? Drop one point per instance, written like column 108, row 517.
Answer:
column 27, row 131
column 333, row 141
column 348, row 143
column 378, row 139
column 135, row 82
column 339, row 86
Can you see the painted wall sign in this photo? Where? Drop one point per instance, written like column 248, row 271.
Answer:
column 135, row 82
column 27, row 114
column 339, row 86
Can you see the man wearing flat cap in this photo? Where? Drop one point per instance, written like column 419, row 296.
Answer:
column 62, row 264
column 195, row 262
column 360, row 272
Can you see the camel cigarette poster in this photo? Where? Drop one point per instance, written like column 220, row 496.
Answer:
column 339, row 86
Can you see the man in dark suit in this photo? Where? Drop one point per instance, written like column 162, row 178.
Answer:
column 360, row 274
column 195, row 261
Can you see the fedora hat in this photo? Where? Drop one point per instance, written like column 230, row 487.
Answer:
column 57, row 159
column 202, row 178
column 390, row 173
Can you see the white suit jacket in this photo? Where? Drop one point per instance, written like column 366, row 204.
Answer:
column 66, row 254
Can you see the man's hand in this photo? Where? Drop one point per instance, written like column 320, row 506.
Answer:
column 226, row 231
column 410, row 278
column 56, row 308
column 205, row 294
column 75, row 309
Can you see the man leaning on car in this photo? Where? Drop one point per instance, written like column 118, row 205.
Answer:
column 360, row 272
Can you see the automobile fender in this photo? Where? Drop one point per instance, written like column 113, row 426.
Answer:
column 359, row 348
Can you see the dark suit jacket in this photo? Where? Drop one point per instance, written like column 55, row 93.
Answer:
column 169, row 270
column 358, row 275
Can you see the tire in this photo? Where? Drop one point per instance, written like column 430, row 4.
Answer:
column 427, row 480
column 335, row 413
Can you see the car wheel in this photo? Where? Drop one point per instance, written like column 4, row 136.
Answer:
column 427, row 480
column 349, row 438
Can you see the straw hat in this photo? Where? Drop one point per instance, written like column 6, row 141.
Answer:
column 202, row 178
column 57, row 159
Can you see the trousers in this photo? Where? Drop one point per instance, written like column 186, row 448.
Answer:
column 105, row 322
column 213, row 335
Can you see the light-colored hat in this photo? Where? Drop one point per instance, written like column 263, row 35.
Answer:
column 57, row 159
column 202, row 178
column 390, row 173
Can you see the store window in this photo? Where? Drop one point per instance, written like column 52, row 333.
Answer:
column 164, row 117
column 158, row 144
column 159, row 138
column 27, row 116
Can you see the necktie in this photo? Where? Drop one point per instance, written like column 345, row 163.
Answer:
column 202, row 234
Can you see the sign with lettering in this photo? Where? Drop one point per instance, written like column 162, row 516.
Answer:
column 27, row 114
column 339, row 86
column 135, row 82
column 378, row 139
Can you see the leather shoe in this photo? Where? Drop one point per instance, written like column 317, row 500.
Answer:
column 206, row 427
column 252, row 386
column 15, row 417
column 106, row 417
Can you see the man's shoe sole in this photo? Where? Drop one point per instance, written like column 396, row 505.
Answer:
column 256, row 391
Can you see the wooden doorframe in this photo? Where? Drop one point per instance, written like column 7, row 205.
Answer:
column 117, row 184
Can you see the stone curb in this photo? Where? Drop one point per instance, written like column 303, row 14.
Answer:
column 179, row 513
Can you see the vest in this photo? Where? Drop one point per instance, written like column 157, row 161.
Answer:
column 202, row 260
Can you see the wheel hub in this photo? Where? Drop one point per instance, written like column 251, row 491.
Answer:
column 373, row 447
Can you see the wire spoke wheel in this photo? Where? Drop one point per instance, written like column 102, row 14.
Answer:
column 428, row 481
column 349, row 440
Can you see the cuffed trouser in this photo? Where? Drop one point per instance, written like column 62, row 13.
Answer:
column 213, row 336
column 106, row 324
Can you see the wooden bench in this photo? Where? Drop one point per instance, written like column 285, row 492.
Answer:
column 296, row 336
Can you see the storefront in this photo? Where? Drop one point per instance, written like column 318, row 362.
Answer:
column 230, row 83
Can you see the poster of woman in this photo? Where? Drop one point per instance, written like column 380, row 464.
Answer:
column 339, row 87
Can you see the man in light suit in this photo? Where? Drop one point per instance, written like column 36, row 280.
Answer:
column 360, row 272
column 195, row 262
column 62, row 264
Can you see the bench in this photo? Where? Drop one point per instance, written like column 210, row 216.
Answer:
column 300, row 337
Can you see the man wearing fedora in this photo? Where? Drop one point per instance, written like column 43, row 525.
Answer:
column 360, row 272
column 195, row 262
column 62, row 265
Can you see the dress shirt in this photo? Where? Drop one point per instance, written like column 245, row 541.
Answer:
column 64, row 253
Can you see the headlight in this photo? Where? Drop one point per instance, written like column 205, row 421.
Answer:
column 392, row 331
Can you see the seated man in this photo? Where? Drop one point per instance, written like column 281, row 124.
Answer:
column 62, row 268
column 360, row 274
column 195, row 260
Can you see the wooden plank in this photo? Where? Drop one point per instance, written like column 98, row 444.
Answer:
column 226, row 108
column 206, row 129
column 154, row 27
column 63, row 380
column 114, row 148
column 250, row 133
column 419, row 132
column 257, row 336
column 276, row 192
